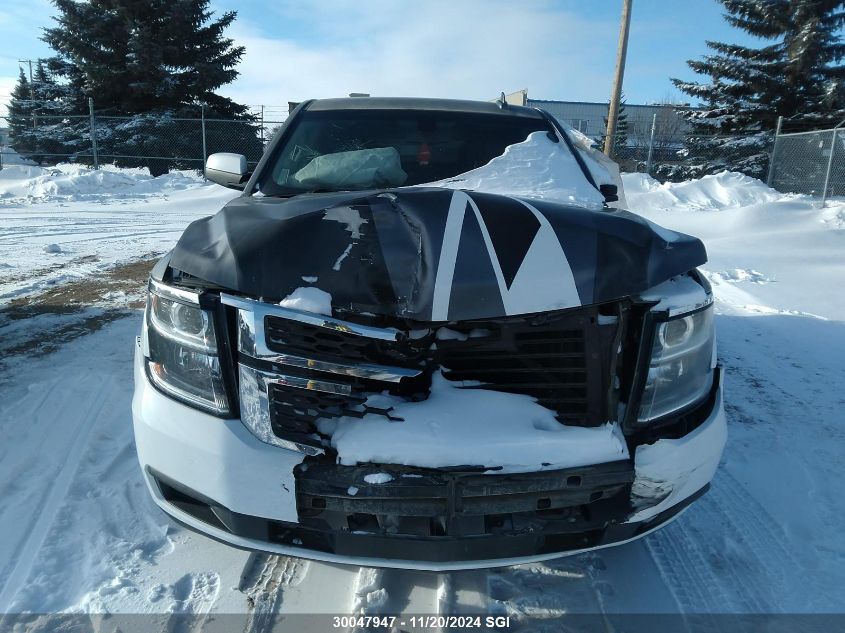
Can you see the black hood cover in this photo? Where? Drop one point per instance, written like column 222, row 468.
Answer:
column 433, row 254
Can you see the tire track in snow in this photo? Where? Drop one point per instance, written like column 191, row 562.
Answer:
column 746, row 569
column 264, row 579
column 58, row 491
column 400, row 592
column 316, row 587
column 537, row 595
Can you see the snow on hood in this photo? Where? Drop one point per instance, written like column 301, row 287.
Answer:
column 537, row 168
column 309, row 300
column 518, row 433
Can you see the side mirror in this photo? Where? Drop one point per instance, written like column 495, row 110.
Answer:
column 610, row 193
column 226, row 169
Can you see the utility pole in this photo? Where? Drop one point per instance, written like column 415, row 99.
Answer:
column 616, row 95
column 31, row 89
column 29, row 61
column 651, row 144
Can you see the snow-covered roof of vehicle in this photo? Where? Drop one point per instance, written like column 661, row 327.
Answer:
column 420, row 103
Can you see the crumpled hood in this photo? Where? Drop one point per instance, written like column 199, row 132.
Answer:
column 432, row 254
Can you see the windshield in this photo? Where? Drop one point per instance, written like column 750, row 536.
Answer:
column 367, row 149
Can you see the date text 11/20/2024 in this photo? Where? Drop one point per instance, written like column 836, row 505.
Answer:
column 422, row 622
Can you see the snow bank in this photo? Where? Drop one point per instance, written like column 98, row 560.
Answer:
column 68, row 181
column 536, row 168
column 710, row 193
column 11, row 157
column 507, row 430
column 765, row 248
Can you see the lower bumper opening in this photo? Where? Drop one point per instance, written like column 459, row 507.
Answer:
column 369, row 535
column 423, row 504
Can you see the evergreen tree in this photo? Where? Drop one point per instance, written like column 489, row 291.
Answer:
column 138, row 56
column 39, row 126
column 795, row 74
column 156, row 61
column 56, row 135
column 21, row 124
column 620, row 141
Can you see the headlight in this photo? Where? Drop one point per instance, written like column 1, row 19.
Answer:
column 183, row 358
column 681, row 369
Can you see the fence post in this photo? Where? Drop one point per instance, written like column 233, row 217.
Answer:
column 93, row 132
column 204, row 150
column 651, row 144
column 774, row 149
column 830, row 161
column 262, row 125
column 829, row 166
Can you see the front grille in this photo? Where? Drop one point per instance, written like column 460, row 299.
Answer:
column 563, row 361
column 294, row 412
column 286, row 336
column 549, row 365
column 306, row 368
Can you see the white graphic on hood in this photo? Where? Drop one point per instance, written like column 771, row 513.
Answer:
column 544, row 279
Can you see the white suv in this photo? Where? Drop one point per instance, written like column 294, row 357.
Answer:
column 421, row 338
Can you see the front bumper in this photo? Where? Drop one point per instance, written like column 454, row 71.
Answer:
column 215, row 477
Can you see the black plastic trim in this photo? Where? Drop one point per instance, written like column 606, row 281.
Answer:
column 565, row 137
column 400, row 548
column 270, row 150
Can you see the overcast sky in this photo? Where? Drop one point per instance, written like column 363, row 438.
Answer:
column 556, row 49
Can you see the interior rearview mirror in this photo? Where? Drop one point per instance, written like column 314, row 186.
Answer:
column 226, row 169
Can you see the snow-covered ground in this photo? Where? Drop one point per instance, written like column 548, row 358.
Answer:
column 80, row 533
column 69, row 222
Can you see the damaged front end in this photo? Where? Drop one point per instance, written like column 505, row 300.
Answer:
column 461, row 404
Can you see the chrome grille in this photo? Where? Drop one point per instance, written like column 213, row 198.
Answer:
column 286, row 388
column 297, row 368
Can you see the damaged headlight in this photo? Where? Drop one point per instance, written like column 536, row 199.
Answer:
column 183, row 359
column 680, row 372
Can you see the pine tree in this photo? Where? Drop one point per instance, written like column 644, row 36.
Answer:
column 20, row 117
column 56, row 135
column 795, row 74
column 138, row 56
column 156, row 61
column 620, row 141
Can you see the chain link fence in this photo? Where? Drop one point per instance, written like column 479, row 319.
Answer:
column 685, row 156
column 810, row 162
column 155, row 141
column 805, row 162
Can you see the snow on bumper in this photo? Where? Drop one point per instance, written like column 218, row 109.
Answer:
column 251, row 487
